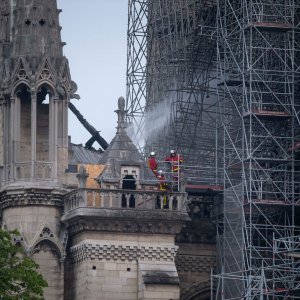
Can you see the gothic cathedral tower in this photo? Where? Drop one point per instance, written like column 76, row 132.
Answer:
column 35, row 87
column 121, row 233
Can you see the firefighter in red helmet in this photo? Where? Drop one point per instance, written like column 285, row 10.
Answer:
column 152, row 163
column 175, row 161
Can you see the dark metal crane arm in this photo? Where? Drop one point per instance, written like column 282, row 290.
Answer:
column 96, row 137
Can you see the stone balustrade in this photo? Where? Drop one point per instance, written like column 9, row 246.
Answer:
column 130, row 199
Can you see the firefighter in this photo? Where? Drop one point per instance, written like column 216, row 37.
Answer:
column 175, row 161
column 152, row 163
column 163, row 186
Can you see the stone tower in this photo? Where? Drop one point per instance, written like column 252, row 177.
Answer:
column 112, row 240
column 35, row 87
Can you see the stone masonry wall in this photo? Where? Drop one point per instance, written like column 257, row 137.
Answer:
column 194, row 263
column 30, row 220
column 113, row 266
column 110, row 279
column 39, row 228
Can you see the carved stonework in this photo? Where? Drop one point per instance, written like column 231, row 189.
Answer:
column 21, row 72
column 4, row 7
column 124, row 226
column 20, row 241
column 47, row 245
column 82, row 177
column 93, row 251
column 46, row 72
column 64, row 239
column 46, row 233
column 202, row 228
column 31, row 196
column 4, row 20
column 198, row 290
column 193, row 263
column 123, row 220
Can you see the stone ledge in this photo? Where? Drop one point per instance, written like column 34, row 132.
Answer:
column 193, row 263
column 30, row 196
column 124, row 220
column 159, row 277
column 126, row 214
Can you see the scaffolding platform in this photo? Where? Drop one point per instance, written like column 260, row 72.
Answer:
column 270, row 26
column 267, row 113
column 272, row 202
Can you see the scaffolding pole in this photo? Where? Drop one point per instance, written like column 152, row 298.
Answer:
column 258, row 63
column 179, row 79
column 136, row 70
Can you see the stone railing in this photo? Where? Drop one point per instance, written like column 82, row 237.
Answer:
column 132, row 199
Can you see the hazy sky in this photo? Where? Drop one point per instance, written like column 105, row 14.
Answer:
column 95, row 33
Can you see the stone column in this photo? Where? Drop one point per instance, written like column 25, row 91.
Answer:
column 6, row 140
column 65, row 123
column 55, row 138
column 33, row 134
column 62, row 275
column 11, row 139
column 51, row 131
column 3, row 142
column 53, row 135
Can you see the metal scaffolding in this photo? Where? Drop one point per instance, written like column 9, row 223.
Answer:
column 222, row 77
column 136, row 69
column 180, row 52
column 258, row 63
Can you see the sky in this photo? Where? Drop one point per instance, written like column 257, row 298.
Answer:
column 95, row 33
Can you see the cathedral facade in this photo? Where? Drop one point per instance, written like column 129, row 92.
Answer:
column 96, row 224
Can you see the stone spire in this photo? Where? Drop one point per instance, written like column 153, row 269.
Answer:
column 121, row 112
column 121, row 148
column 35, row 88
column 31, row 49
column 36, row 30
column 122, row 154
